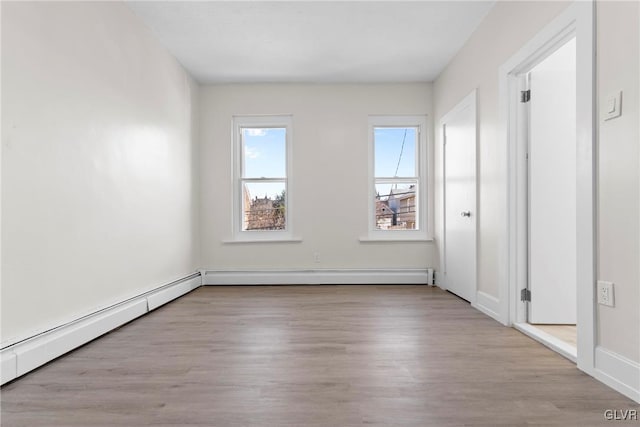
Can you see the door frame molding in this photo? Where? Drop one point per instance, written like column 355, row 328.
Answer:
column 579, row 20
column 469, row 101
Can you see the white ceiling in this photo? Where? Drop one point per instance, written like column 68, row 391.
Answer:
column 313, row 41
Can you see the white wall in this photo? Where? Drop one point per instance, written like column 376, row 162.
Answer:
column 476, row 66
column 619, row 176
column 329, row 171
column 98, row 194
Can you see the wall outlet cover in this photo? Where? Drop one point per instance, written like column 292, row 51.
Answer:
column 605, row 293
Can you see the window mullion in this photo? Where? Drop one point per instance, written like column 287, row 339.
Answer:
column 264, row 179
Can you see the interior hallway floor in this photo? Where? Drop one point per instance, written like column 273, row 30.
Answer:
column 311, row 356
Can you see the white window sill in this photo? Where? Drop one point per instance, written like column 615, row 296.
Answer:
column 270, row 240
column 395, row 239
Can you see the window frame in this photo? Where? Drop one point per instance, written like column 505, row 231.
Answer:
column 260, row 122
column 423, row 214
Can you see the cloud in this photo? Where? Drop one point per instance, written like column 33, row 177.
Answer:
column 251, row 152
column 256, row 132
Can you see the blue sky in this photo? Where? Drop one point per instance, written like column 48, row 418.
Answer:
column 391, row 159
column 389, row 151
column 265, row 153
column 265, row 156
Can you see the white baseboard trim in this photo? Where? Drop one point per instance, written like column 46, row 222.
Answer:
column 548, row 340
column 8, row 367
column 35, row 351
column 618, row 372
column 488, row 304
column 40, row 350
column 166, row 295
column 316, row 277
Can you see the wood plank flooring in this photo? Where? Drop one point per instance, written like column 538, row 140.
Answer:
column 311, row 356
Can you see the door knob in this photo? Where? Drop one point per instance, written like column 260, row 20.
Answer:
column 466, row 213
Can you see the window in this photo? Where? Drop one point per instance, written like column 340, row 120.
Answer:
column 398, row 148
column 261, row 176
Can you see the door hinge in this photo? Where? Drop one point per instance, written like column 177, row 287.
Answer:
column 525, row 295
column 525, row 95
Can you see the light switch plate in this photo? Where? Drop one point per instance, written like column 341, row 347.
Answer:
column 605, row 293
column 613, row 106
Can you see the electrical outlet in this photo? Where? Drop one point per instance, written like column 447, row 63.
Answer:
column 605, row 293
column 316, row 257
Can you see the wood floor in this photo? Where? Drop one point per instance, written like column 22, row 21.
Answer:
column 311, row 356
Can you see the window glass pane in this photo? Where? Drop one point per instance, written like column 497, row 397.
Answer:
column 263, row 206
column 264, row 152
column 395, row 151
column 396, row 205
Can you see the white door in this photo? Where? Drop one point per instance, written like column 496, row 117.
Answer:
column 460, row 215
column 552, row 188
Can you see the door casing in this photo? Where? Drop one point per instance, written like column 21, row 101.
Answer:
column 577, row 20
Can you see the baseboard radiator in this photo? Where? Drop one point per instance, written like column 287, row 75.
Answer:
column 24, row 356
column 418, row 276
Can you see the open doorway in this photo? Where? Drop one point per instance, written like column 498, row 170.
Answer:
column 538, row 220
column 548, row 125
